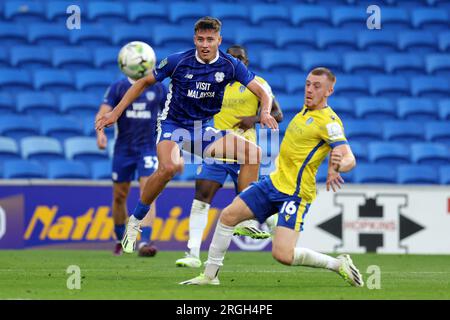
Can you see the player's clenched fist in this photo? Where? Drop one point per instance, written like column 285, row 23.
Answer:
column 105, row 120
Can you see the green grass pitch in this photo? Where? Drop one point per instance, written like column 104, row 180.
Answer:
column 41, row 274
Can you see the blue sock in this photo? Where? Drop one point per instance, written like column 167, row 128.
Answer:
column 119, row 230
column 146, row 234
column 141, row 210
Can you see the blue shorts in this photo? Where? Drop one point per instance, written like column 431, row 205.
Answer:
column 218, row 172
column 265, row 200
column 194, row 139
column 125, row 166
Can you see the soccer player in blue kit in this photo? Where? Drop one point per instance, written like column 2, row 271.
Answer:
column 134, row 152
column 198, row 80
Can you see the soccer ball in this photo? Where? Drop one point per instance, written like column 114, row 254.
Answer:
column 136, row 59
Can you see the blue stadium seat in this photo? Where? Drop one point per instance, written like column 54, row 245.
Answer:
column 186, row 13
column 231, row 14
column 17, row 127
column 349, row 17
column 392, row 153
column 343, row 106
column 56, row 11
column 363, row 130
column 375, row 108
column 363, row 63
column 336, row 40
column 405, row 64
column 379, row 41
column 172, row 36
column 228, row 34
column 351, row 86
column 13, row 80
column 63, row 169
column 289, row 103
column 84, row 149
column 72, row 58
column 96, row 81
column 295, row 39
column 389, row 86
column 42, row 149
column 394, row 19
column 444, row 41
column 148, row 13
column 433, row 154
column 24, row 11
column 280, row 61
column 417, row 42
column 23, row 169
column 9, row 150
column 430, row 87
column 400, row 131
column 36, row 104
column 91, row 35
column 60, row 128
column 375, row 173
column 47, row 35
column 269, row 15
column 106, row 57
column 417, row 109
column 124, row 33
column 430, row 18
column 438, row 132
column 30, row 57
column 7, row 105
column 322, row 172
column 255, row 39
column 313, row 59
column 444, row 109
column 444, row 174
column 53, row 80
column 438, row 64
column 106, row 12
column 310, row 16
column 359, row 150
column 79, row 103
column 417, row 174
column 89, row 129
column 101, row 170
column 295, row 82
column 275, row 80
column 13, row 34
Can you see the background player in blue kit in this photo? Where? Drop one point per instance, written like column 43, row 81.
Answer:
column 198, row 80
column 134, row 152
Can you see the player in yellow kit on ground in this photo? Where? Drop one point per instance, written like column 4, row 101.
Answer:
column 239, row 113
column 291, row 188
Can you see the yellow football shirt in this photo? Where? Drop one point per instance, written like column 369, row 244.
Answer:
column 238, row 101
column 308, row 139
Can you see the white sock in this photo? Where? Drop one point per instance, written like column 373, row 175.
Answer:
column 219, row 246
column 310, row 258
column 197, row 224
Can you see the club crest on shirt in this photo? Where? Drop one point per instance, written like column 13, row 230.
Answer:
column 242, row 89
column 310, row 120
column 150, row 95
column 219, row 76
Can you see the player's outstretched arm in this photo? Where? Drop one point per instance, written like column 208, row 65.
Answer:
column 266, row 104
column 133, row 92
column 342, row 158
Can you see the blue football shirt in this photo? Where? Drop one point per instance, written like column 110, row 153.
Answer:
column 136, row 127
column 196, row 88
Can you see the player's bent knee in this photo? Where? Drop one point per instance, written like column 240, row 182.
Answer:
column 169, row 170
column 229, row 218
column 283, row 256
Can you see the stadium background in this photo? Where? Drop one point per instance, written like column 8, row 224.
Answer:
column 392, row 93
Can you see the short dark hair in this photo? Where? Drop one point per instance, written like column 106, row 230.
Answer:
column 324, row 71
column 238, row 47
column 208, row 23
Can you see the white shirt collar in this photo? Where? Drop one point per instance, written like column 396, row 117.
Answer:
column 203, row 62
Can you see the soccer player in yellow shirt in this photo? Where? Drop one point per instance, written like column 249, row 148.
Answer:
column 291, row 188
column 239, row 113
